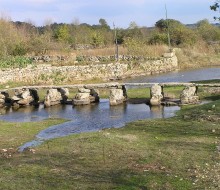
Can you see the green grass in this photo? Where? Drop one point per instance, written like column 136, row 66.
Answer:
column 177, row 153
column 13, row 135
column 173, row 92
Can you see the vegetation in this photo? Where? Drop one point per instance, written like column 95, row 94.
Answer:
column 215, row 7
column 20, row 38
column 174, row 153
column 15, row 62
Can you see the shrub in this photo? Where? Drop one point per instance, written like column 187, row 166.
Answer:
column 15, row 62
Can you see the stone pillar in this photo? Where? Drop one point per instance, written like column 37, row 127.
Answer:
column 117, row 96
column 25, row 97
column 189, row 96
column 86, row 96
column 53, row 97
column 156, row 95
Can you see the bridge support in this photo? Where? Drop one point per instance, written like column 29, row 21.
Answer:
column 56, row 96
column 25, row 97
column 189, row 95
column 86, row 96
column 156, row 94
column 117, row 96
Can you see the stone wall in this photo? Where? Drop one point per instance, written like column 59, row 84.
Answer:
column 49, row 74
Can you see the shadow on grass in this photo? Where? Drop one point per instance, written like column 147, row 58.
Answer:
column 212, row 98
column 207, row 81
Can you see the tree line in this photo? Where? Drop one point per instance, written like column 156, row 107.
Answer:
column 21, row 38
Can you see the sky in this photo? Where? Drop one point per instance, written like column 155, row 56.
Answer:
column 119, row 12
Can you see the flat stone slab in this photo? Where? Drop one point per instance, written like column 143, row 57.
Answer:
column 81, row 102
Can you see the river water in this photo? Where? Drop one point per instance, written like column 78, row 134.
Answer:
column 180, row 76
column 96, row 117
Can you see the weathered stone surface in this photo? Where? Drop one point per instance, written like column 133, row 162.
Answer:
column 86, row 96
column 116, row 97
column 83, row 90
column 80, row 96
column 26, row 101
column 25, row 97
column 18, row 92
column 64, row 91
column 53, row 97
column 2, row 96
column 156, row 95
column 81, row 102
column 75, row 72
column 54, row 94
column 2, row 101
column 188, row 95
column 15, row 98
column 25, row 94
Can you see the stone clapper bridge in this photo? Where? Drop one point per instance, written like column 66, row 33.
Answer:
column 89, row 93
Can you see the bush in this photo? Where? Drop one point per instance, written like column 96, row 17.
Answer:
column 15, row 62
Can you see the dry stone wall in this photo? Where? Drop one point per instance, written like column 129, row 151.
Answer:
column 49, row 74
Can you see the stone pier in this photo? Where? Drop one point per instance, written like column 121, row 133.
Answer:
column 156, row 95
column 86, row 96
column 117, row 96
column 25, row 97
column 89, row 93
column 56, row 96
column 189, row 95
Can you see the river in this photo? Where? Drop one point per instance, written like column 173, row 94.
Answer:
column 96, row 117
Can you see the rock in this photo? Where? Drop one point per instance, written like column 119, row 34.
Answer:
column 53, row 97
column 86, row 96
column 116, row 97
column 25, row 97
column 64, row 91
column 26, row 101
column 155, row 102
column 15, row 98
column 2, row 101
column 25, row 94
column 18, row 92
column 81, row 102
column 188, row 95
column 156, row 95
column 84, row 90
column 80, row 96
column 2, row 96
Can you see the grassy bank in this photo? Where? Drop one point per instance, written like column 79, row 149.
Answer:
column 176, row 153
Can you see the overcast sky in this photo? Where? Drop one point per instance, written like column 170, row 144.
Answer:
column 121, row 12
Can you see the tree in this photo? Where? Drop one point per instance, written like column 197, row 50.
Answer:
column 62, row 33
column 208, row 31
column 104, row 24
column 215, row 7
column 97, row 39
column 179, row 33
